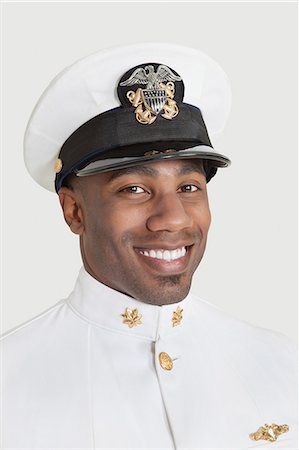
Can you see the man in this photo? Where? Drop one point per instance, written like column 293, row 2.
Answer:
column 131, row 359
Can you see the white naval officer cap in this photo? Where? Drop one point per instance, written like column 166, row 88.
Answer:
column 125, row 106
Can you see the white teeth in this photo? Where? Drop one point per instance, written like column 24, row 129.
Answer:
column 174, row 254
column 159, row 254
column 166, row 255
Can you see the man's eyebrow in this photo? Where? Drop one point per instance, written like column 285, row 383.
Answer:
column 191, row 168
column 139, row 170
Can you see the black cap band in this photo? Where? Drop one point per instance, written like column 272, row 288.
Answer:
column 117, row 133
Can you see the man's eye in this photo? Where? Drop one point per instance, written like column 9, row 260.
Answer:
column 133, row 190
column 189, row 188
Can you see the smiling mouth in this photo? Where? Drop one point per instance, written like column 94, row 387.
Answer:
column 164, row 254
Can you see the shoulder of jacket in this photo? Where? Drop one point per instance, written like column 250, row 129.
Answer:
column 237, row 331
column 33, row 321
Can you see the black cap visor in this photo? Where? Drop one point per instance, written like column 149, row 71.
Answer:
column 201, row 152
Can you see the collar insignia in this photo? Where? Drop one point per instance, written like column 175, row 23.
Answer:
column 156, row 92
column 132, row 318
column 177, row 317
column 269, row 432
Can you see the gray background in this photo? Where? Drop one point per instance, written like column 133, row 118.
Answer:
column 250, row 268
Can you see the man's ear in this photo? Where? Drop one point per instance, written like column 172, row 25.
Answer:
column 72, row 210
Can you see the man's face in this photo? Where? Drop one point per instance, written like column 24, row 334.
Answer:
column 144, row 229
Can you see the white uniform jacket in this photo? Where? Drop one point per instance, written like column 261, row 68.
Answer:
column 88, row 374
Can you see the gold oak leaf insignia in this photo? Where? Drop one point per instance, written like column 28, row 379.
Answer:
column 177, row 316
column 132, row 318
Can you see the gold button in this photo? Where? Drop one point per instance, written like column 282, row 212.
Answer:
column 58, row 165
column 165, row 361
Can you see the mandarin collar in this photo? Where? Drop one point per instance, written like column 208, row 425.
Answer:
column 107, row 308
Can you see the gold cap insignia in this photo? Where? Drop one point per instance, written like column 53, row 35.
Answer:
column 177, row 317
column 157, row 94
column 269, row 432
column 132, row 318
column 58, row 165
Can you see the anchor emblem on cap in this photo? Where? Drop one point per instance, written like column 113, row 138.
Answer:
column 158, row 94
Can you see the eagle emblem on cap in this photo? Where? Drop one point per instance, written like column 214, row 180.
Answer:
column 158, row 95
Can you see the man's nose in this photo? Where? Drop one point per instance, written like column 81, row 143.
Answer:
column 169, row 213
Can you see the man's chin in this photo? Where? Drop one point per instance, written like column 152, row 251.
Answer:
column 169, row 289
